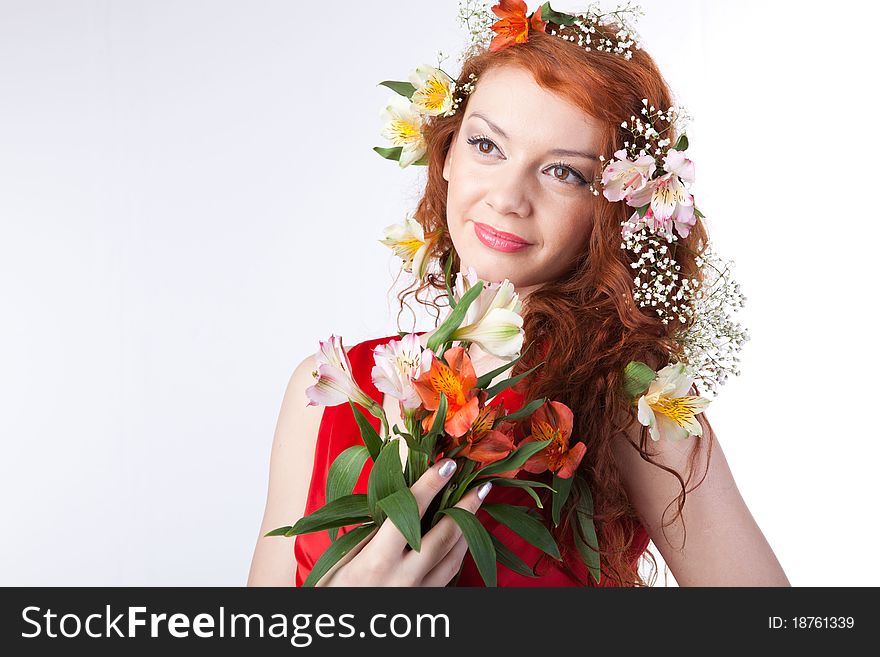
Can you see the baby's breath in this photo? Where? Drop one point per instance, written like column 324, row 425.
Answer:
column 476, row 17
column 710, row 344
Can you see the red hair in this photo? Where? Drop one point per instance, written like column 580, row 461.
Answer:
column 586, row 319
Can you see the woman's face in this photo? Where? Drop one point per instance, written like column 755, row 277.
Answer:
column 520, row 164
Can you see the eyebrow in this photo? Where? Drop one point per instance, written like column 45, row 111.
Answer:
column 556, row 151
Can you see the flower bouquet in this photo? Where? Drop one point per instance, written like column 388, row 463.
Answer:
column 446, row 414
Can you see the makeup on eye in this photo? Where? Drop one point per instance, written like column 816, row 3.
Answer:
column 479, row 140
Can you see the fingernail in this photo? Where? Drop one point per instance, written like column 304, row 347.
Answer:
column 447, row 468
column 483, row 490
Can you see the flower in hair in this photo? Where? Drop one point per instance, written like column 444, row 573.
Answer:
column 666, row 408
column 429, row 92
column 409, row 243
column 403, row 127
column 434, row 91
column 668, row 197
column 622, row 178
column 513, row 24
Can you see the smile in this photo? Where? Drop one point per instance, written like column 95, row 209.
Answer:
column 505, row 242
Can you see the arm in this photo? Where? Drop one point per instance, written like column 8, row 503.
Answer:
column 290, row 473
column 724, row 545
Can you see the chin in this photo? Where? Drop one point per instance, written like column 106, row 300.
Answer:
column 495, row 269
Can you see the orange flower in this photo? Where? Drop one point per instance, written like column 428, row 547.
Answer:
column 457, row 380
column 513, row 26
column 553, row 421
column 484, row 444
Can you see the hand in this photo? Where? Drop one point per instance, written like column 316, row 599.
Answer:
column 384, row 559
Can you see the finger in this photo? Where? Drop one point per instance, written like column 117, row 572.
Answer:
column 445, row 570
column 389, row 542
column 443, row 536
column 344, row 560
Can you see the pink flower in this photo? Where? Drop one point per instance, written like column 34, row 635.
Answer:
column 336, row 384
column 670, row 202
column 623, row 178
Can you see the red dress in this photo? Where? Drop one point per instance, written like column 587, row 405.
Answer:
column 338, row 431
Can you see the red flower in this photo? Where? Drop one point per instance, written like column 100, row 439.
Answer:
column 513, row 26
column 457, row 380
column 484, row 444
column 553, row 421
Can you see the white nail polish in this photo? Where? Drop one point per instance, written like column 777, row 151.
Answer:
column 447, row 468
column 483, row 490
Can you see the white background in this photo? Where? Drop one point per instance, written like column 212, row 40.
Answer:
column 189, row 202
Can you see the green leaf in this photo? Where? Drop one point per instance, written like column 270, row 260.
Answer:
column 508, row 557
column 698, row 213
column 429, row 440
column 586, row 540
column 643, row 210
column 447, row 277
column 479, row 543
column 403, row 510
column 336, row 551
column 515, row 459
column 389, row 153
column 563, row 488
column 405, row 89
column 439, row 419
column 368, row 434
column 636, row 378
column 345, row 471
column 343, row 511
column 526, row 526
column 526, row 484
column 507, row 383
column 386, row 478
column 524, row 412
column 681, row 144
column 343, row 475
column 456, row 317
column 281, row 531
column 547, row 14
column 486, row 379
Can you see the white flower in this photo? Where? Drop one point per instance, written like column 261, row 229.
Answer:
column 666, row 408
column 434, row 91
column 403, row 127
column 397, row 363
column 493, row 320
column 408, row 242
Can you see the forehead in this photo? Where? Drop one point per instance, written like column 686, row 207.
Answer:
column 511, row 98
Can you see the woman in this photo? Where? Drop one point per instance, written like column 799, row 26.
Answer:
column 509, row 194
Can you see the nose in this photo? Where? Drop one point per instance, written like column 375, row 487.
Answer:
column 509, row 192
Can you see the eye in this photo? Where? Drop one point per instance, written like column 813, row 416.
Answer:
column 480, row 142
column 570, row 175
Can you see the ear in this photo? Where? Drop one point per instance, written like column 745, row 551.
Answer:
column 447, row 163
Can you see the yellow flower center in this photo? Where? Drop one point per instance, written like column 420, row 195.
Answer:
column 406, row 249
column 433, row 94
column 678, row 409
column 404, row 132
column 444, row 380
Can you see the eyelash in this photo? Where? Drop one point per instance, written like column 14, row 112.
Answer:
column 577, row 174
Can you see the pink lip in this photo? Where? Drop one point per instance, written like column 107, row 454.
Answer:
column 499, row 240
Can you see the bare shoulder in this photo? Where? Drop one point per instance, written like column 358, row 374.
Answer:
column 715, row 541
column 290, row 473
